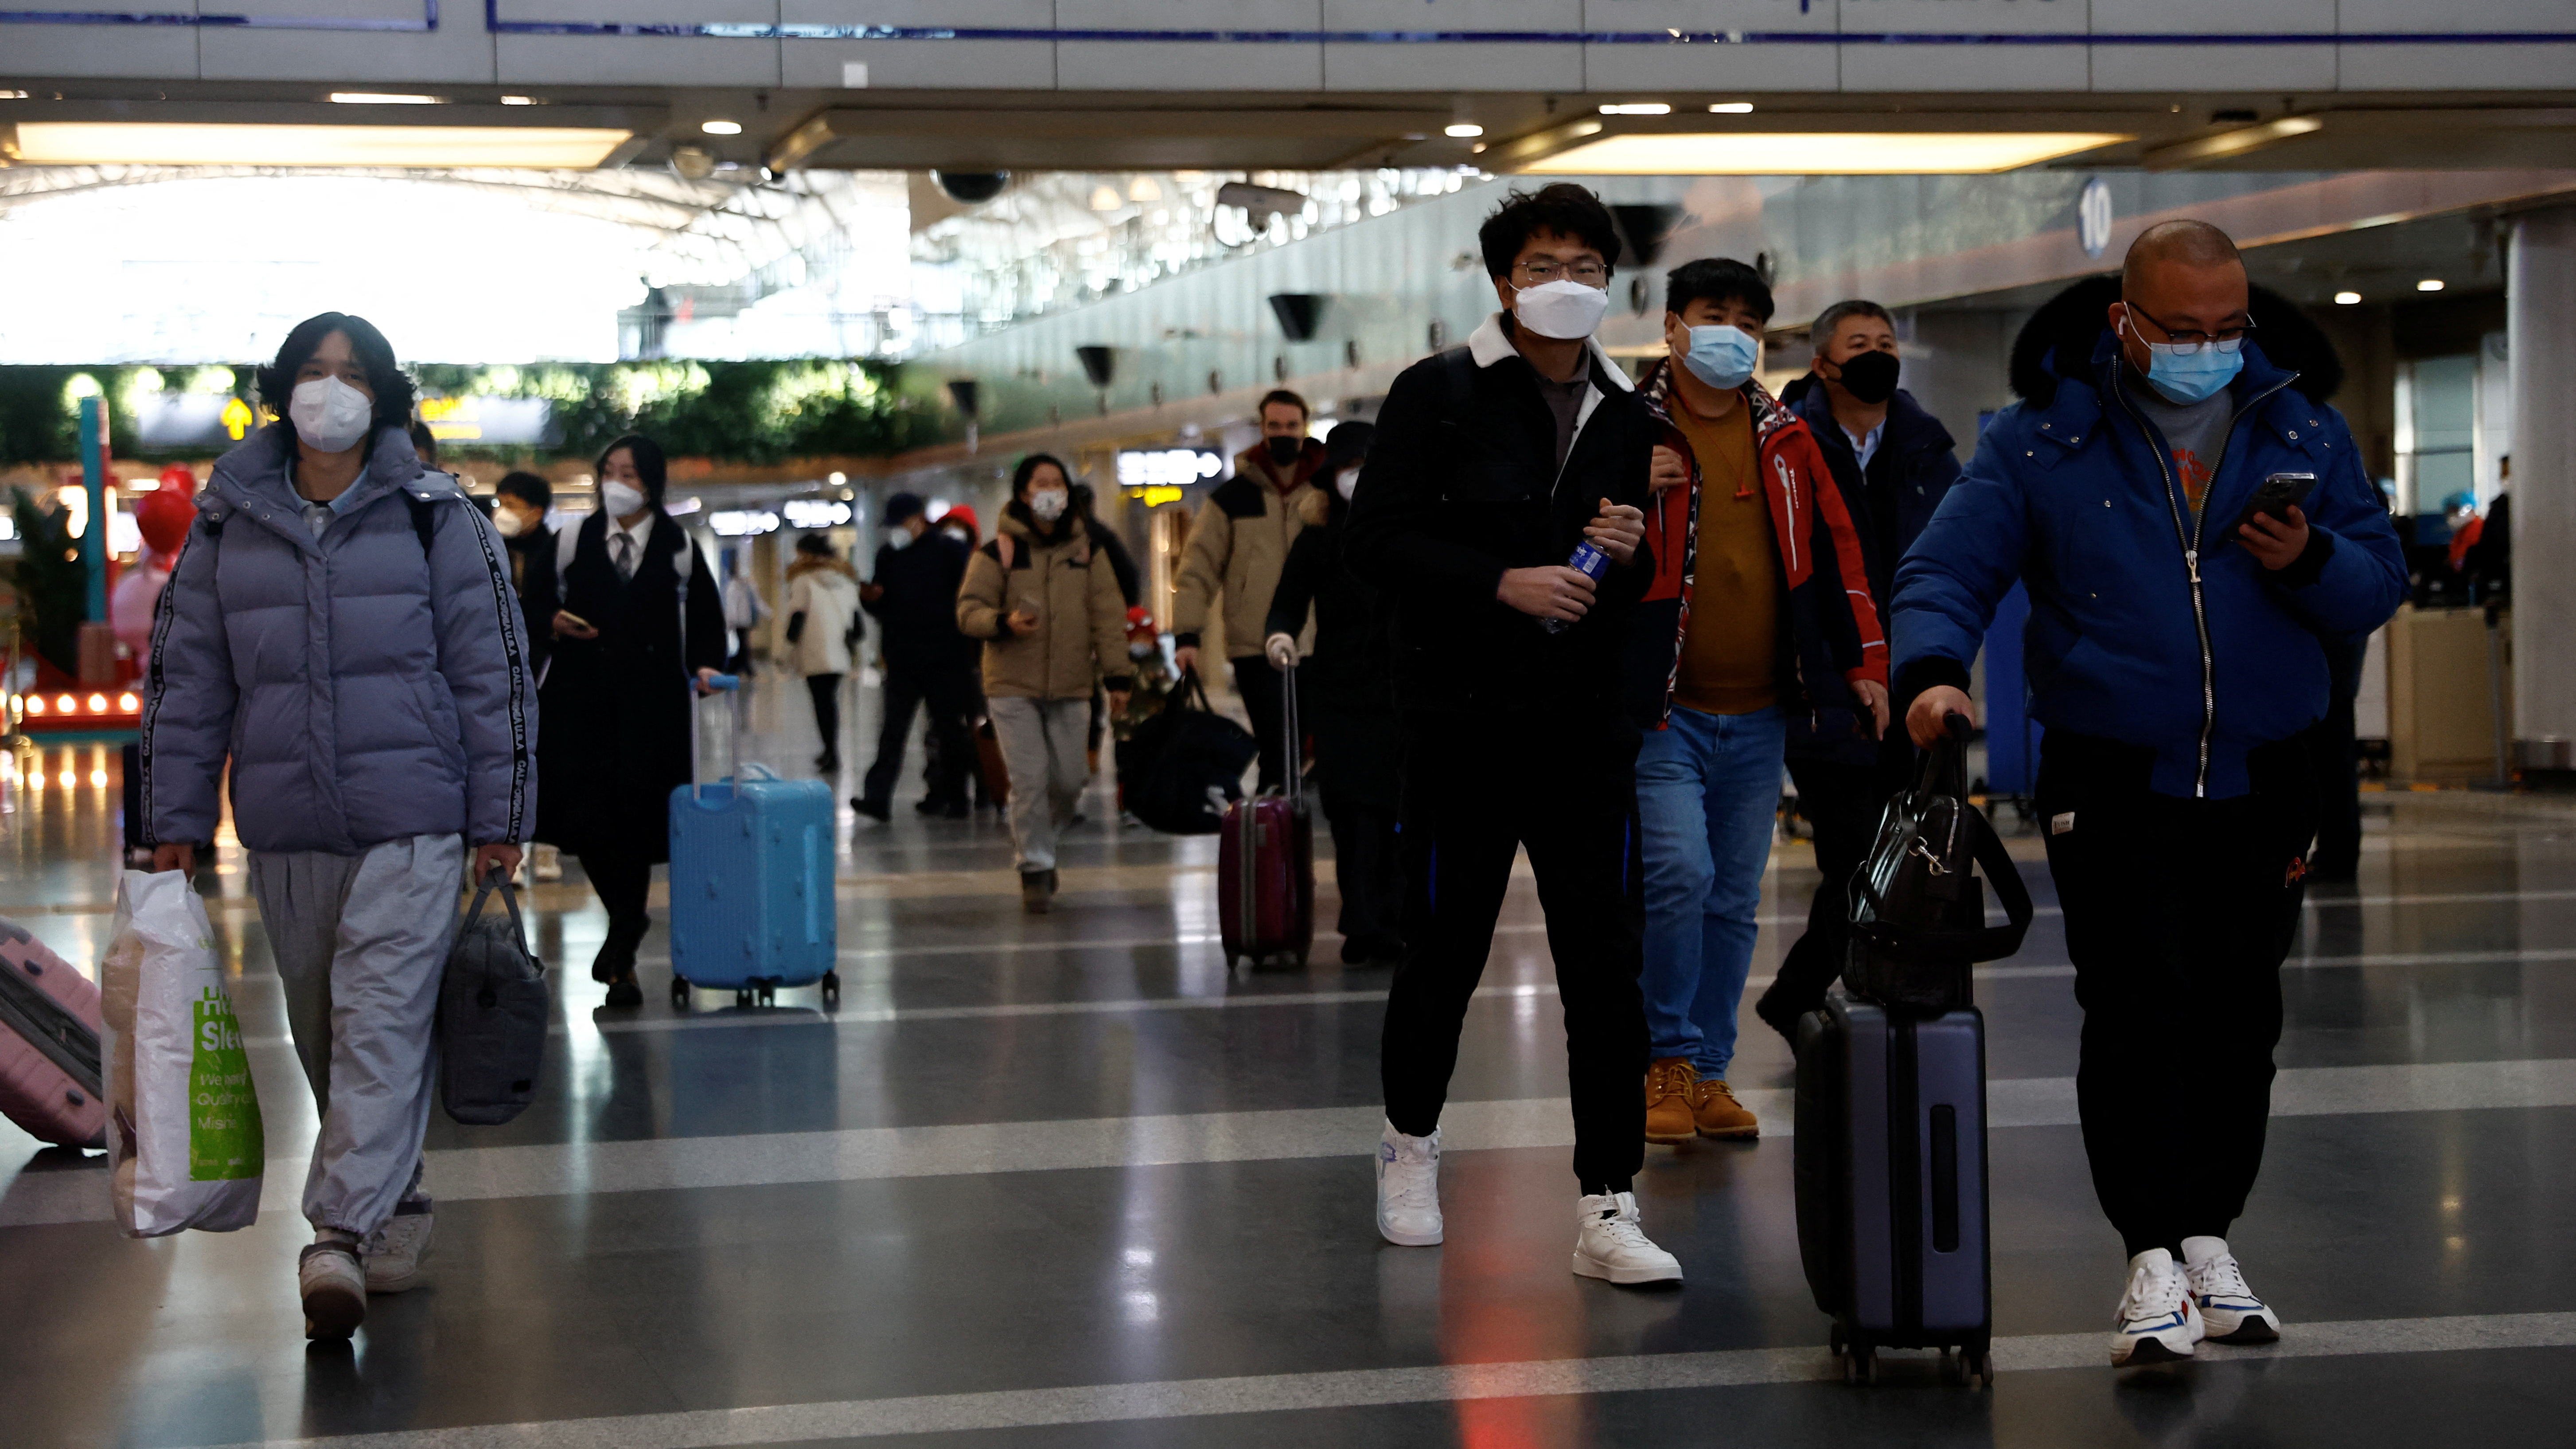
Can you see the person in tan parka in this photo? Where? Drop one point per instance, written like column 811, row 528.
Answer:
column 1238, row 544
column 1047, row 607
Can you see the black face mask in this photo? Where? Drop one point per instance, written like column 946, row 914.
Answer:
column 1871, row 377
column 1284, row 451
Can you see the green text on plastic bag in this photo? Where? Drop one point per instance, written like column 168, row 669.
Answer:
column 224, row 1139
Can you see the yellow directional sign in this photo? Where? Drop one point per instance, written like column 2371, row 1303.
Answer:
column 237, row 418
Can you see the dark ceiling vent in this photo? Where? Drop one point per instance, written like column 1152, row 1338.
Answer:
column 1643, row 230
column 1099, row 364
column 1298, row 313
column 961, row 391
column 971, row 186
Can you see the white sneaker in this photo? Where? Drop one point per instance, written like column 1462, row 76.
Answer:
column 2158, row 1321
column 1408, row 1188
column 1609, row 1243
column 2217, row 1286
column 393, row 1252
column 549, row 864
column 334, row 1288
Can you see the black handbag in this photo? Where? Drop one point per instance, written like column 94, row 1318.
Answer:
column 492, row 1012
column 1179, row 770
column 1918, row 914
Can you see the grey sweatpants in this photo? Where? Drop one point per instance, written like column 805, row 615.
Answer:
column 1045, row 745
column 361, row 941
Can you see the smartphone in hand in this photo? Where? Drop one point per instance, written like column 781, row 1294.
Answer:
column 2274, row 497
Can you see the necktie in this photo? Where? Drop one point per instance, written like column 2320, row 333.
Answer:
column 625, row 555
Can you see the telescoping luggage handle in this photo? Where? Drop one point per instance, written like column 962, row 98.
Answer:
column 1944, row 772
column 1247, row 852
column 733, row 731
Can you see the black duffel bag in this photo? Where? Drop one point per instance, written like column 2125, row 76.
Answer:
column 1179, row 770
column 491, row 1016
column 1918, row 915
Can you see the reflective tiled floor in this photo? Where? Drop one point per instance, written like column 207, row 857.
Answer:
column 1068, row 1181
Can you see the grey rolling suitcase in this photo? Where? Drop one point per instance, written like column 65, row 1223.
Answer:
column 1890, row 1154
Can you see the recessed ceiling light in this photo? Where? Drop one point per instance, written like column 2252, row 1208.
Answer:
column 1637, row 108
column 2429, row 284
column 13, row 95
column 380, row 98
column 1823, row 153
column 130, row 143
column 1464, row 130
column 2347, row 299
column 1105, row 198
column 518, row 100
column 721, row 128
column 1732, row 108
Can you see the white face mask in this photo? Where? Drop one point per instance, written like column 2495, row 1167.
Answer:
column 898, row 538
column 509, row 522
column 1347, row 482
column 1048, row 504
column 329, row 415
column 622, row 500
column 1562, row 309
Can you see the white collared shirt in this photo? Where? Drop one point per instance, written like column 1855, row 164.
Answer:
column 642, row 533
column 1866, row 447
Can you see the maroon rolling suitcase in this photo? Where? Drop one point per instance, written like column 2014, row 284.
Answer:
column 1265, row 865
column 50, row 1074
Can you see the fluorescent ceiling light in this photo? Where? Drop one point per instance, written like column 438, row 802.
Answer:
column 1732, row 108
column 2429, row 284
column 2347, row 299
column 145, row 143
column 1464, row 129
column 721, row 128
column 518, row 100
column 1637, row 108
column 380, row 98
column 1835, row 153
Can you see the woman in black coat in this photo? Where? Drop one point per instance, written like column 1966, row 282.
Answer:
column 1349, row 683
column 618, row 693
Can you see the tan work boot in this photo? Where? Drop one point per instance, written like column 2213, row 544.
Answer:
column 1717, row 1113
column 1668, row 1100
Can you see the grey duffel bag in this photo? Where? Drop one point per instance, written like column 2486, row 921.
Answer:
column 491, row 1016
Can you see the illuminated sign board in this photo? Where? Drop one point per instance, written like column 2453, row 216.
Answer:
column 503, row 421
column 815, row 513
column 1167, row 467
column 213, row 421
column 742, row 523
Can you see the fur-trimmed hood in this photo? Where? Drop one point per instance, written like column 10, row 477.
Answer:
column 2059, row 339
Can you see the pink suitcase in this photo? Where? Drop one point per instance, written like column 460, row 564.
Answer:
column 1265, row 869
column 50, row 1072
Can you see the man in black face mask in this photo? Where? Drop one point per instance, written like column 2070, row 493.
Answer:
column 1237, row 547
column 1894, row 463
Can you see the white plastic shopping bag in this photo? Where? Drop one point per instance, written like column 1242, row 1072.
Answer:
column 184, row 1128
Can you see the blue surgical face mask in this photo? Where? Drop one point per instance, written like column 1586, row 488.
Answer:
column 1722, row 357
column 2189, row 377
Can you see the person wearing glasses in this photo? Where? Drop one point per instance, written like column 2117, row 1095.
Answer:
column 1492, row 464
column 2177, row 651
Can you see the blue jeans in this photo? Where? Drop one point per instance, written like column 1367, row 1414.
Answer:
column 1708, row 793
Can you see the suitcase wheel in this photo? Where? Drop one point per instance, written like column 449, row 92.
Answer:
column 679, row 992
column 1861, row 1365
column 768, row 994
column 1977, row 1369
column 832, row 988
column 742, row 996
column 1835, row 1341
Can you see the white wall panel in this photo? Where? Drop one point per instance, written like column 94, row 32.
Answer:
column 1709, row 65
column 633, row 60
column 459, row 52
column 1447, row 66
column 1877, row 66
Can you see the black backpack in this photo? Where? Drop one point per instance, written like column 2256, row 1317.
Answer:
column 1918, row 916
column 491, row 1016
column 1178, row 771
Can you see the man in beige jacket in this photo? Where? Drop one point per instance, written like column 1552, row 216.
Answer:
column 1237, row 547
column 1048, row 609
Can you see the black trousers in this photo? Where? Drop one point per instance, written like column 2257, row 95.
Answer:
column 1356, row 767
column 1475, row 788
column 950, row 695
column 624, row 879
column 1266, row 702
column 826, row 692
column 2178, row 913
column 2338, row 764
column 1844, row 803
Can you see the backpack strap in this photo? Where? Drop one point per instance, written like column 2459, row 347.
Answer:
column 567, row 545
column 1002, row 549
column 1458, row 372
column 424, row 521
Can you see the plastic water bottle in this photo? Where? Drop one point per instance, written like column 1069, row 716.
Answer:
column 1589, row 561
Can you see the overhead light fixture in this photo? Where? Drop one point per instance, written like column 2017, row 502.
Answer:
column 380, row 98
column 1144, row 188
column 518, row 100
column 2227, row 144
column 2429, row 284
column 2347, row 299
column 721, row 128
column 1637, row 108
column 1463, row 130
column 1820, row 153
column 152, row 143
column 1731, row 108
column 1105, row 198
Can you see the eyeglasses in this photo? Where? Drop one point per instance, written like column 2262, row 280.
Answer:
column 1539, row 274
column 2189, row 343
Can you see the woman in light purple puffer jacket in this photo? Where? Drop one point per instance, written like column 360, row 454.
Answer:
column 341, row 627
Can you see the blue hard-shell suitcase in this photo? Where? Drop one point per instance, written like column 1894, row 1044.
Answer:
column 751, row 887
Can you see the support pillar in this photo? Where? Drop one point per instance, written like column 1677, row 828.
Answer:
column 2540, row 301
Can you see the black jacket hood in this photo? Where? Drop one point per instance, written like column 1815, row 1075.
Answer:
column 2059, row 338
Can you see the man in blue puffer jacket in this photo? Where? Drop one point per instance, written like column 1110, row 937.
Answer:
column 341, row 626
column 2179, row 665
